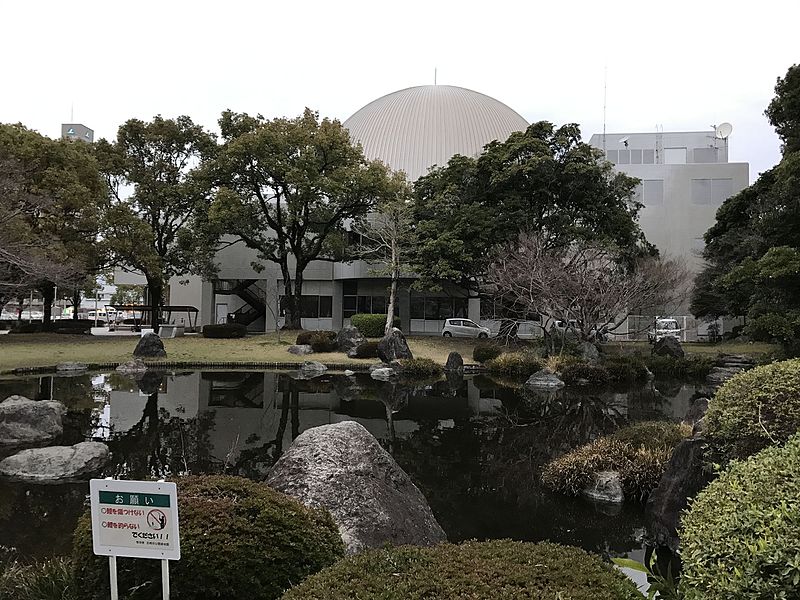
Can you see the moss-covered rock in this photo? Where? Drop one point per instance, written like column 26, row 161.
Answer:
column 239, row 539
column 755, row 409
column 497, row 570
column 741, row 537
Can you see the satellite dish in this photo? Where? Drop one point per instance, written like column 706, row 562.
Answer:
column 723, row 130
column 623, row 140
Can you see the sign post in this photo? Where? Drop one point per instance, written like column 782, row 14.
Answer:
column 137, row 519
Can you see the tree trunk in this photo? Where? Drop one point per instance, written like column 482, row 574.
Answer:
column 392, row 292
column 48, row 295
column 76, row 302
column 297, row 315
column 156, row 289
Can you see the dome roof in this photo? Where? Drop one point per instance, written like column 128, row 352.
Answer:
column 416, row 128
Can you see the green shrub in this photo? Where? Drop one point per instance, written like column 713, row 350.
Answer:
column 692, row 367
column 626, row 369
column 639, row 453
column 515, row 363
column 371, row 326
column 420, row 367
column 366, row 350
column 323, row 341
column 304, row 338
column 239, row 539
column 741, row 536
column 755, row 409
column 578, row 373
column 51, row 579
column 224, row 331
column 486, row 352
column 497, row 569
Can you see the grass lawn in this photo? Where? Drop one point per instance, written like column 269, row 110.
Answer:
column 43, row 349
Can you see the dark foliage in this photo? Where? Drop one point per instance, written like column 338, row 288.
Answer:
column 224, row 331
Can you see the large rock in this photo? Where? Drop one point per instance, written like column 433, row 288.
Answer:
column 343, row 468
column 544, row 380
column 56, row 464
column 382, row 374
column 668, row 346
column 683, row 478
column 349, row 338
column 300, row 349
column 605, row 487
column 150, row 346
column 25, row 422
column 310, row 369
column 132, row 367
column 454, row 362
column 394, row 347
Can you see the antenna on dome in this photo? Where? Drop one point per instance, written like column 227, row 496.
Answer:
column 434, row 76
column 605, row 89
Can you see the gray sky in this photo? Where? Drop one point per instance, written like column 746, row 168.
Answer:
column 683, row 65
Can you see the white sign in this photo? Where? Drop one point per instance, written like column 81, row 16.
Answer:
column 135, row 518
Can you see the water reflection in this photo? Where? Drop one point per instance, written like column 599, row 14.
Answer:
column 474, row 445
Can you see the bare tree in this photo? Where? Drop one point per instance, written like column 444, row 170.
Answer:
column 589, row 287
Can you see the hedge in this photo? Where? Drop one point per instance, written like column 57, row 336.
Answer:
column 239, row 539
column 515, row 363
column 320, row 341
column 372, row 326
column 501, row 569
column 224, row 331
column 741, row 536
column 640, row 453
column 366, row 350
column 486, row 352
column 420, row 367
column 755, row 409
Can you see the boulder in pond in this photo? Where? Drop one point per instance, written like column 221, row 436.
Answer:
column 56, row 464
column 544, row 380
column 454, row 362
column 150, row 346
column 383, row 373
column 25, row 422
column 310, row 369
column 132, row 367
column 605, row 486
column 684, row 477
column 344, row 469
column 349, row 338
column 71, row 367
column 394, row 346
column 668, row 346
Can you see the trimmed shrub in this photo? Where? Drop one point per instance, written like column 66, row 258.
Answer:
column 741, row 536
column 323, row 341
column 420, row 367
column 496, row 569
column 51, row 579
column 486, row 352
column 26, row 328
column 224, row 331
column 692, row 367
column 239, row 539
column 372, row 326
column 322, row 335
column 755, row 409
column 515, row 363
column 578, row 373
column 639, row 453
column 626, row 369
column 367, row 350
column 70, row 326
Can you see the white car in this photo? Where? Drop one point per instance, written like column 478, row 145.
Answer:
column 664, row 328
column 464, row 328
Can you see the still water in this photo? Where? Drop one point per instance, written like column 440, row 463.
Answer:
column 473, row 445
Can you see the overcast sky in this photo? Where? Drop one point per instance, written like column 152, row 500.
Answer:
column 683, row 65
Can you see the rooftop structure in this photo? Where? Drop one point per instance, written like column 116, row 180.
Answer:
column 76, row 131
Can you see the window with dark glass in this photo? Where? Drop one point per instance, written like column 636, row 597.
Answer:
column 417, row 307
column 326, row 307
column 348, row 306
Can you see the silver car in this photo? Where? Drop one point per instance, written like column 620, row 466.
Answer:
column 464, row 328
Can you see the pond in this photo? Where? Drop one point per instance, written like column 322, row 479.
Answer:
column 473, row 445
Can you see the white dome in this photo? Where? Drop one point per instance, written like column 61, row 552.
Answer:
column 413, row 129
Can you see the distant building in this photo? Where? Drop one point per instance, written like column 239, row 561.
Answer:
column 685, row 178
column 76, row 131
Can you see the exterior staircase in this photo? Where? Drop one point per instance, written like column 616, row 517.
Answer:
column 249, row 291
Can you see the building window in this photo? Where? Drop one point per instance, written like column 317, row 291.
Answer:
column 311, row 307
column 675, row 156
column 711, row 191
column 648, row 157
column 624, row 157
column 636, row 157
column 704, row 155
column 653, row 192
column 612, row 156
column 366, row 305
column 438, row 308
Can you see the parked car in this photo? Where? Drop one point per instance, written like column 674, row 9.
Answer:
column 664, row 328
column 464, row 328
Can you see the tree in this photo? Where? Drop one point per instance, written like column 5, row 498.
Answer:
column 588, row 285
column 386, row 235
column 543, row 179
column 128, row 294
column 288, row 188
column 751, row 250
column 157, row 203
column 51, row 191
